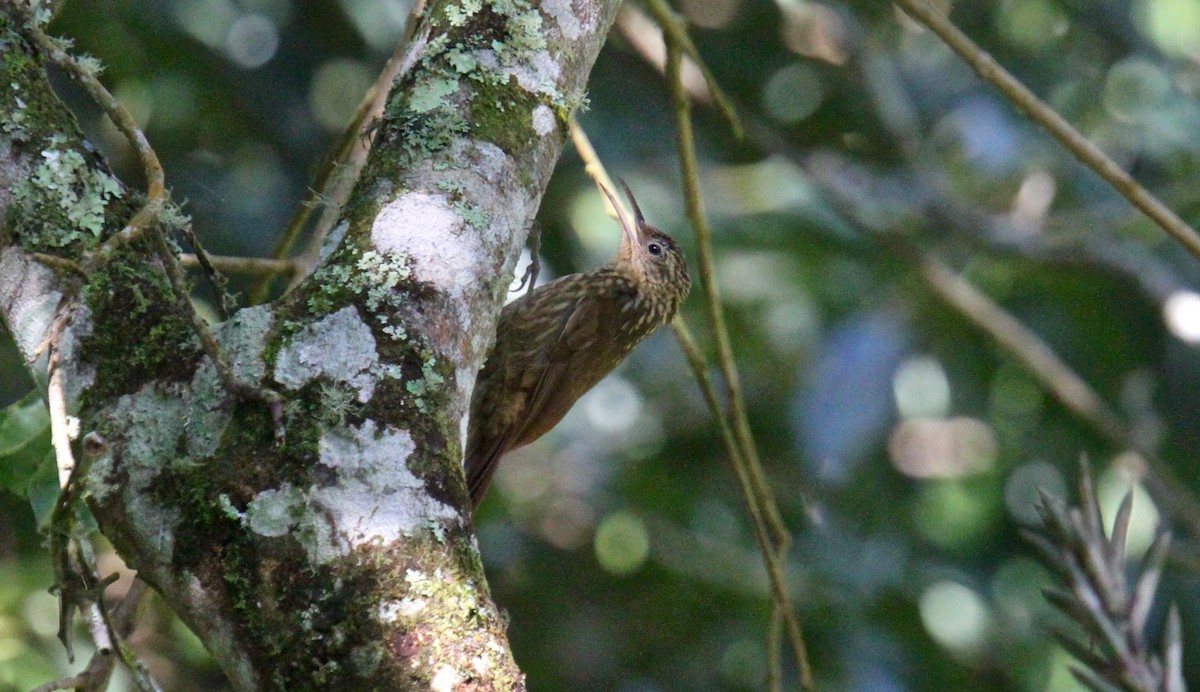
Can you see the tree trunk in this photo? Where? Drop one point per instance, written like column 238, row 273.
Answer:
column 342, row 554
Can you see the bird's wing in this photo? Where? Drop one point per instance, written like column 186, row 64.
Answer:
column 483, row 454
column 571, row 336
column 549, row 400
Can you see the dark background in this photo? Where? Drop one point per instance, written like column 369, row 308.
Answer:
column 905, row 446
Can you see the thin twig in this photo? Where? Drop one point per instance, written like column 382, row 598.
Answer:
column 782, row 610
column 242, row 265
column 122, row 620
column 208, row 342
column 1060, row 380
column 156, row 193
column 334, row 180
column 712, row 300
column 215, row 280
column 71, row 554
column 61, row 264
column 675, row 32
column 695, row 213
column 62, row 521
column 758, row 492
column 1037, row 110
column 774, row 681
column 149, row 218
column 1064, row 384
column 771, row 549
column 593, row 167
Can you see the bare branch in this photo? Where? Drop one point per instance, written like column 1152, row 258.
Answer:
column 1037, row 110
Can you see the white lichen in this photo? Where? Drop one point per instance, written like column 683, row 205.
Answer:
column 78, row 190
column 27, row 292
column 445, row 680
column 373, row 499
column 391, row 611
column 539, row 74
column 152, row 423
column 339, row 346
column 274, row 512
column 543, row 120
column 571, row 22
column 429, row 229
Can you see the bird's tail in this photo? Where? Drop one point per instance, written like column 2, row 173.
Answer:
column 480, row 464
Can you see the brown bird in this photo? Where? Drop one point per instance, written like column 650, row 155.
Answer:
column 558, row 341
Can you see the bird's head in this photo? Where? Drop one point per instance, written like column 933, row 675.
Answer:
column 651, row 254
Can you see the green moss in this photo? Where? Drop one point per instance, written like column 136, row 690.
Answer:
column 137, row 333
column 503, row 114
column 423, row 117
column 318, row 626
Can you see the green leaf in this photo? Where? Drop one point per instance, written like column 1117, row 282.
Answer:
column 43, row 489
column 24, row 441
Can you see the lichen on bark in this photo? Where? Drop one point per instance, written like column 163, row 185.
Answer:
column 343, row 555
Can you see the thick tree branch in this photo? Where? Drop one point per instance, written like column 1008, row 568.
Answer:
column 344, row 558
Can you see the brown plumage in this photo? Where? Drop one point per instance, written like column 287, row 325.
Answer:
column 560, row 340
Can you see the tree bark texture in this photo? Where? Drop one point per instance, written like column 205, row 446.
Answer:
column 342, row 556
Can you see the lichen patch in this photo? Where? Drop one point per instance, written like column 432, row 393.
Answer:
column 374, row 497
column 571, row 22
column 428, row 228
column 339, row 346
column 543, row 120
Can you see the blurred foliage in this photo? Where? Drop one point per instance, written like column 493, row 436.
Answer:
column 906, row 447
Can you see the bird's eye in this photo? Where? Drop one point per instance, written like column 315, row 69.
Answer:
column 654, row 248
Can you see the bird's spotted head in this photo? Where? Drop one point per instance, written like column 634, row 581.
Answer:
column 651, row 254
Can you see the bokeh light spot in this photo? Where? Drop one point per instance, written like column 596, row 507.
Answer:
column 1017, row 595
column 1024, row 488
column 814, row 30
column 337, row 87
column 207, row 21
column 921, row 388
column 613, row 405
column 379, row 22
column 933, row 448
column 1135, row 89
column 1112, row 487
column 252, row 41
column 567, row 522
column 953, row 514
column 955, row 616
column 1172, row 24
column 1181, row 311
column 137, row 99
column 793, row 93
column 622, row 543
column 1031, row 23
